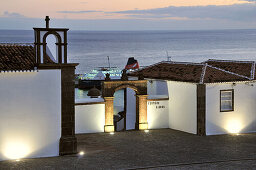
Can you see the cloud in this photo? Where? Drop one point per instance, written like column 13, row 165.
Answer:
column 240, row 12
column 125, row 24
column 12, row 15
column 78, row 12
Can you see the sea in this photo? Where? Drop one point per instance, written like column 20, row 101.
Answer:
column 91, row 48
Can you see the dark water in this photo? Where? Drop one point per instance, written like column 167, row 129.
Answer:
column 91, row 49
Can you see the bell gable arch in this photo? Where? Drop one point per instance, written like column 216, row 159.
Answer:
column 58, row 43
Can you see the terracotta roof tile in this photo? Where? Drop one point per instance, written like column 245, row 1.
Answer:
column 213, row 75
column 16, row 57
column 171, row 71
column 239, row 67
column 227, row 71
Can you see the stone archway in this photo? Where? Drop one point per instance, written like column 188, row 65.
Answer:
column 140, row 87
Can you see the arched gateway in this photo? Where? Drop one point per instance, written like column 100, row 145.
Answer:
column 140, row 87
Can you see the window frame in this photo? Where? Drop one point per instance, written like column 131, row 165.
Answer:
column 232, row 109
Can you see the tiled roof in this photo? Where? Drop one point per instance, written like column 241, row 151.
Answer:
column 206, row 72
column 213, row 74
column 17, row 57
column 171, row 71
column 240, row 67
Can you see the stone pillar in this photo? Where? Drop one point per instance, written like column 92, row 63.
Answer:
column 68, row 141
column 143, row 120
column 109, row 113
column 201, row 131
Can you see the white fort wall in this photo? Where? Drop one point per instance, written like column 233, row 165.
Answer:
column 157, row 109
column 158, row 114
column 182, row 106
column 30, row 114
column 242, row 119
column 90, row 116
column 157, row 87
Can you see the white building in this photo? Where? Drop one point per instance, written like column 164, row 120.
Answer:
column 209, row 98
column 213, row 97
column 37, row 97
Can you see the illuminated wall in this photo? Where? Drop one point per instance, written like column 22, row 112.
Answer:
column 89, row 118
column 158, row 114
column 241, row 120
column 182, row 106
column 157, row 110
column 30, row 114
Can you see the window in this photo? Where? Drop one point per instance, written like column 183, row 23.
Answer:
column 227, row 100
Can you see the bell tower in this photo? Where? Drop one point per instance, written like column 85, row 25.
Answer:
column 47, row 42
column 43, row 53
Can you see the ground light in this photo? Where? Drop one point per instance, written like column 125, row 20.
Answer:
column 234, row 126
column 81, row 153
column 112, row 133
column 16, row 151
column 146, row 131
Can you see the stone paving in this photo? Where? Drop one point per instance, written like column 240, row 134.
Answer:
column 158, row 149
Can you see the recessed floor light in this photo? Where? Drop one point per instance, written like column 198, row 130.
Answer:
column 81, row 153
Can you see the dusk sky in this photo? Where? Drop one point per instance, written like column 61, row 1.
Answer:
column 129, row 14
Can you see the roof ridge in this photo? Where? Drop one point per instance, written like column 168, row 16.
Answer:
column 149, row 66
column 180, row 62
column 203, row 73
column 236, row 61
column 229, row 72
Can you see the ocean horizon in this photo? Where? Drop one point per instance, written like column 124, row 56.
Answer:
column 91, row 48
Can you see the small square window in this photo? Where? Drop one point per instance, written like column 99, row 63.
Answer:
column 227, row 100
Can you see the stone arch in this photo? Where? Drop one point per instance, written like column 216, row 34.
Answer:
column 123, row 86
column 58, row 43
column 140, row 87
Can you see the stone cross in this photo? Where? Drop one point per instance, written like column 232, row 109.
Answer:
column 47, row 20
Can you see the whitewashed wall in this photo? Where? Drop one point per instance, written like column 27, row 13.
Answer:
column 158, row 114
column 30, row 114
column 182, row 106
column 130, row 109
column 157, row 87
column 90, row 118
column 242, row 119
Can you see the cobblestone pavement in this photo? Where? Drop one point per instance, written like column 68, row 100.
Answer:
column 158, row 149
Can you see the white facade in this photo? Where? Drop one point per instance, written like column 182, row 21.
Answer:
column 30, row 114
column 178, row 109
column 158, row 114
column 182, row 111
column 157, row 87
column 89, row 118
column 182, row 106
column 242, row 119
